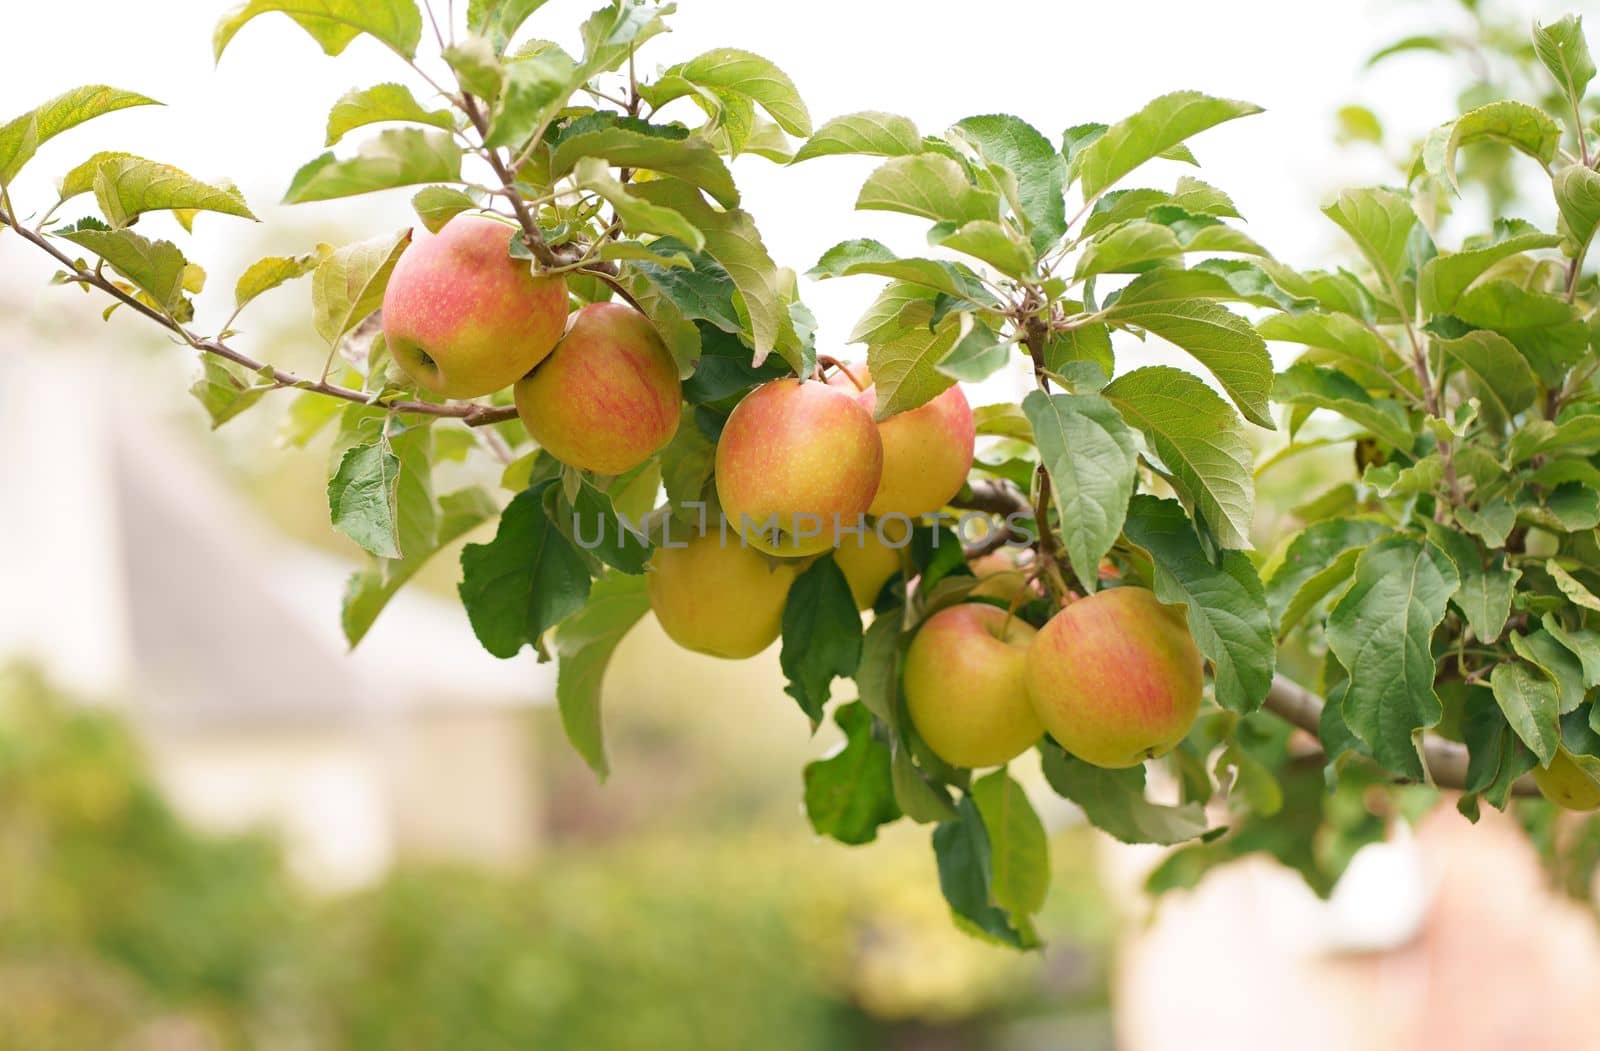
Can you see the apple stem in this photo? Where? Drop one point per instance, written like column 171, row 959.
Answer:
column 826, row 362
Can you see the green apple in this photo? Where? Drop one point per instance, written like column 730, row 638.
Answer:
column 797, row 460
column 608, row 397
column 716, row 597
column 1002, row 574
column 464, row 319
column 927, row 451
column 1116, row 677
column 1566, row 784
column 966, row 685
column 870, row 559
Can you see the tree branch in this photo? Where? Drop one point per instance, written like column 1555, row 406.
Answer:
column 1446, row 760
column 472, row 414
column 531, row 236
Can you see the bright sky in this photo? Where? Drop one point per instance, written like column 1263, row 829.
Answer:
column 259, row 115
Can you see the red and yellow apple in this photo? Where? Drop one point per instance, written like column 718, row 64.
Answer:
column 608, row 397
column 966, row 685
column 796, row 461
column 464, row 319
column 1116, row 677
column 927, row 451
column 722, row 599
column 870, row 559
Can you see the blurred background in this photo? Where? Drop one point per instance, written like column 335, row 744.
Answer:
column 219, row 830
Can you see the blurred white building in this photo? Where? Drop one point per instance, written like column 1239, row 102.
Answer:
column 133, row 573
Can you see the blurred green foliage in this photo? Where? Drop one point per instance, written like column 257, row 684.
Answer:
column 121, row 927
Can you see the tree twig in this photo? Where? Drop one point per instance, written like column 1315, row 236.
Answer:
column 472, row 414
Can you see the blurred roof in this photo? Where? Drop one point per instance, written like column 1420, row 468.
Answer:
column 127, row 564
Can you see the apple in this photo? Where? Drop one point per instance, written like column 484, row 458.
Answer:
column 1002, row 574
column 718, row 597
column 927, row 451
column 608, row 397
column 463, row 318
column 966, row 685
column 796, row 460
column 1565, row 784
column 1116, row 677
column 869, row 560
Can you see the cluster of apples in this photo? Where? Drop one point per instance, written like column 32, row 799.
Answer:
column 1114, row 677
column 597, row 388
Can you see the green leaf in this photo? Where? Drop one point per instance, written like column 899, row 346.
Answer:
column 127, row 187
column 1201, row 198
column 1497, row 374
column 703, row 291
column 333, row 23
column 361, row 497
column 1528, row 700
column 1511, row 123
column 905, row 370
column 615, row 31
column 821, row 636
column 630, row 143
column 1496, row 757
column 532, row 93
column 348, row 283
column 1199, row 440
column 976, row 356
column 499, row 20
column 1128, row 249
column 263, row 275
column 1579, row 435
column 589, row 518
column 1564, row 52
column 728, row 71
column 1485, row 597
column 1545, row 329
column 989, row 241
column 585, row 642
column 1359, row 350
column 1543, row 651
column 1019, row 852
column 1491, row 523
column 1298, row 582
column 1583, row 644
column 21, row 136
column 638, row 215
column 1159, row 126
column 369, row 590
column 867, row 133
column 1225, row 605
column 397, row 157
column 1577, row 189
column 930, row 185
column 225, row 390
column 1444, row 278
column 1114, row 801
column 878, row 678
column 962, row 849
column 1164, row 305
column 476, row 63
column 1571, row 586
column 850, row 793
column 1324, row 388
column 157, row 267
column 731, row 238
column 437, row 205
column 1040, row 172
column 866, row 256
column 1381, row 630
column 377, row 104
column 1380, row 223
column 1093, row 463
column 525, row 581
